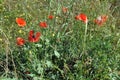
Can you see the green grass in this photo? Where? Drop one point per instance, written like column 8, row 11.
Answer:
column 57, row 56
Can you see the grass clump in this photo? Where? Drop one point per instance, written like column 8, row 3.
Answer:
column 71, row 40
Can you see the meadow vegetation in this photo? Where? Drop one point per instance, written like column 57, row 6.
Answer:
column 59, row 40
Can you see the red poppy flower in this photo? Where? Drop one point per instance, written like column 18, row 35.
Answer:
column 21, row 22
column 51, row 17
column 64, row 9
column 82, row 17
column 101, row 19
column 32, row 37
column 43, row 24
column 20, row 41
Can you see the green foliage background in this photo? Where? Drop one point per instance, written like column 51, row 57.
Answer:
column 56, row 55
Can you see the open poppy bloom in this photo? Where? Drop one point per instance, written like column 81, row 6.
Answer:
column 32, row 37
column 64, row 9
column 82, row 17
column 43, row 24
column 101, row 19
column 21, row 22
column 20, row 41
column 51, row 17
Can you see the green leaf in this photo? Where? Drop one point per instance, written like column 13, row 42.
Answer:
column 49, row 64
column 56, row 54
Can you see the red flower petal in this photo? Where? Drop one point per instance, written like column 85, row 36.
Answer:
column 101, row 20
column 50, row 17
column 31, row 33
column 82, row 17
column 37, row 37
column 104, row 18
column 38, row 34
column 32, row 37
column 20, row 41
column 43, row 24
column 77, row 17
column 21, row 22
column 64, row 9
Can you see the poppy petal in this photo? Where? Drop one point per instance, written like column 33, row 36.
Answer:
column 31, row 33
column 64, row 9
column 32, row 37
column 20, row 41
column 38, row 34
column 43, row 24
column 101, row 20
column 50, row 17
column 82, row 17
column 21, row 22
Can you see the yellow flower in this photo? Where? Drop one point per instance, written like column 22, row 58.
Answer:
column 0, row 39
column 53, row 34
column 56, row 17
column 20, row 31
column 30, row 52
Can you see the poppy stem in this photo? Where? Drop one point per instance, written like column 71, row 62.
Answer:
column 84, row 42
